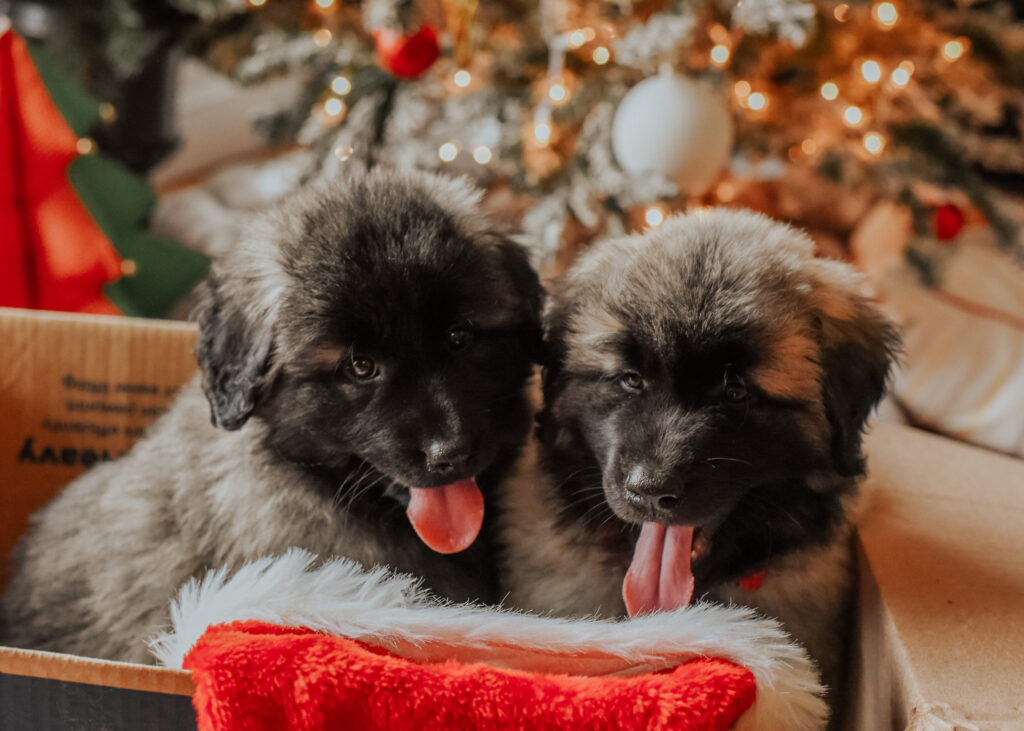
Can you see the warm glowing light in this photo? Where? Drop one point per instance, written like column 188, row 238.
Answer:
column 482, row 154
column 830, row 91
column 577, row 38
column 718, row 34
column 322, row 37
column 334, row 107
column 341, row 85
column 542, row 132
column 557, row 93
column 757, row 101
column 853, row 116
column 900, row 76
column 448, row 151
column 841, row 12
column 741, row 89
column 324, row 3
column 886, row 14
column 654, row 216
column 725, row 191
column 85, row 146
column 462, row 78
column 257, row 3
column 953, row 50
column 720, row 54
column 809, row 146
column 602, row 55
column 874, row 143
column 871, row 71
column 343, row 152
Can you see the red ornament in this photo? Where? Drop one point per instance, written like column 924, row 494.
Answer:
column 407, row 56
column 948, row 221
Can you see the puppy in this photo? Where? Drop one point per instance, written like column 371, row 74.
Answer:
column 705, row 390
column 363, row 355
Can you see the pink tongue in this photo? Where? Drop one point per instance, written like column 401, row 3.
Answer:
column 447, row 518
column 659, row 577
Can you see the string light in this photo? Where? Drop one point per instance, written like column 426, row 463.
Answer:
column 853, row 116
column 953, row 50
column 341, row 85
column 741, row 88
column 542, row 132
column 829, row 91
column 886, row 14
column 654, row 216
column 482, row 154
column 757, row 101
column 720, row 55
column 107, row 112
column 841, row 12
column 809, row 147
column 85, row 146
column 874, row 143
column 324, row 3
column 900, row 76
column 343, row 152
column 725, row 191
column 448, row 151
column 577, row 38
column 334, row 107
column 590, row 34
column 257, row 3
column 602, row 55
column 557, row 92
column 718, row 34
column 322, row 37
column 871, row 71
column 462, row 78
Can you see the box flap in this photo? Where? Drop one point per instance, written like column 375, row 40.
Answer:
column 75, row 389
column 942, row 600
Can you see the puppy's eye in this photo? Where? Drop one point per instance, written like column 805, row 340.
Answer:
column 459, row 337
column 631, row 382
column 362, row 368
column 734, row 389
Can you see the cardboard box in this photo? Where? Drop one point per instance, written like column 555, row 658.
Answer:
column 940, row 640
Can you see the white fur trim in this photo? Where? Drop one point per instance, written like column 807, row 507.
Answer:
column 341, row 598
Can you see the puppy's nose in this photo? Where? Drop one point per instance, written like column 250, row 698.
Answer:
column 643, row 490
column 448, row 456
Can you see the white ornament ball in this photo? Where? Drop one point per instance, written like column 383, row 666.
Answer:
column 674, row 126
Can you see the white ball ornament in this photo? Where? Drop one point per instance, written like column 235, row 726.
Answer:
column 674, row 126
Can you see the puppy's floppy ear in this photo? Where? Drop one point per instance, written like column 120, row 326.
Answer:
column 859, row 346
column 234, row 353
column 516, row 263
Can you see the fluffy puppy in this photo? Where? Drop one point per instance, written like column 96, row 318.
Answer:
column 704, row 394
column 363, row 355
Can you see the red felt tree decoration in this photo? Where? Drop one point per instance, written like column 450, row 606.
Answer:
column 73, row 235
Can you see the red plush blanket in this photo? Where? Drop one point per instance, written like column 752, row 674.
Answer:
column 252, row 676
column 280, row 645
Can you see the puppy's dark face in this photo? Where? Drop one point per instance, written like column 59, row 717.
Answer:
column 401, row 336
column 707, row 364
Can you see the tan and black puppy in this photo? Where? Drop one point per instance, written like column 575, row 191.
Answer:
column 362, row 356
column 704, row 394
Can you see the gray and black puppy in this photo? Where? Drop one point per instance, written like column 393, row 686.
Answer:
column 705, row 389
column 363, row 354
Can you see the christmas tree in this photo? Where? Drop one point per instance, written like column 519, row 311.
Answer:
column 605, row 117
column 74, row 237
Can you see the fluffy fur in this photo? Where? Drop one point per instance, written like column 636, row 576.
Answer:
column 709, row 373
column 393, row 612
column 331, row 367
